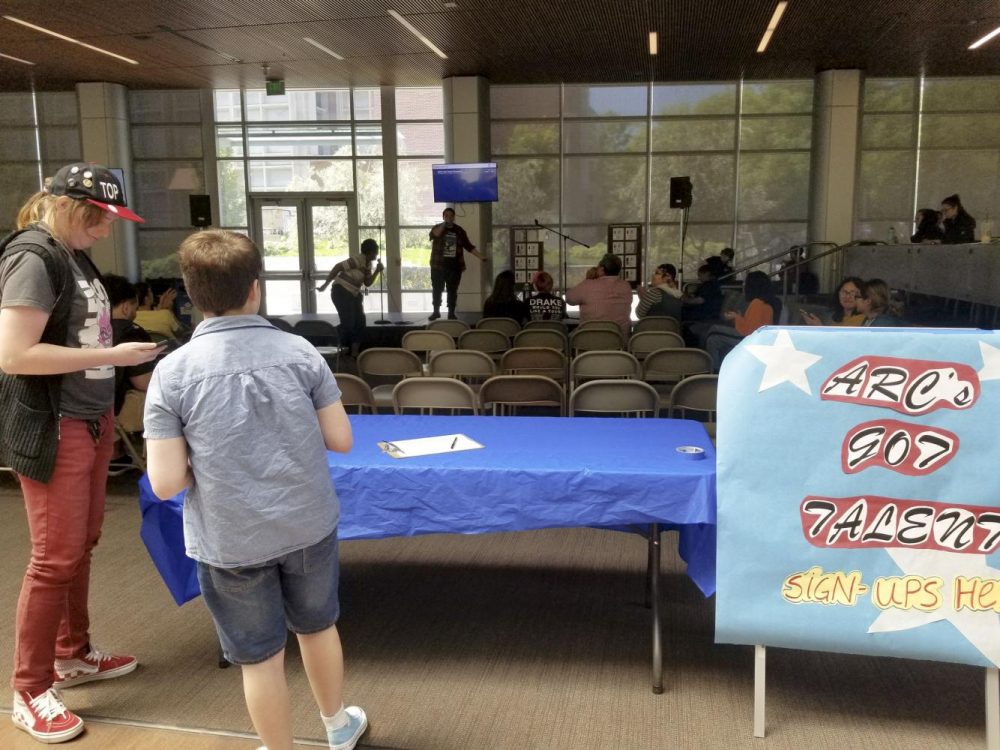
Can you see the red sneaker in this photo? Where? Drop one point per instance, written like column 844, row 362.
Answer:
column 94, row 666
column 45, row 717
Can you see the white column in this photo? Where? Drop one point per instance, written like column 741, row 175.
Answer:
column 390, row 182
column 104, row 136
column 836, row 144
column 467, row 139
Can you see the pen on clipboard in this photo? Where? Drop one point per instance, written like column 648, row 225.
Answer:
column 453, row 443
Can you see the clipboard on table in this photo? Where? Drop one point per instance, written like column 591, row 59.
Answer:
column 428, row 446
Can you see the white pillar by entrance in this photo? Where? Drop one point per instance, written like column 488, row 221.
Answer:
column 467, row 139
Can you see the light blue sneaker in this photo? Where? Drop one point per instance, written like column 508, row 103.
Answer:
column 348, row 735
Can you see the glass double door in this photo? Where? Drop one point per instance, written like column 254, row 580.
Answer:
column 302, row 236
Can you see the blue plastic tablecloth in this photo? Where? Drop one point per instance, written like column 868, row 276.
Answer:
column 533, row 473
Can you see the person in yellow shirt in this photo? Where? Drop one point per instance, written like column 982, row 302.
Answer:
column 158, row 318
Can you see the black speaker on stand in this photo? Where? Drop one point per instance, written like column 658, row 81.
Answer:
column 680, row 192
column 201, row 210
column 680, row 197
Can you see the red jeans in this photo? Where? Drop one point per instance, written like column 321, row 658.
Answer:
column 64, row 518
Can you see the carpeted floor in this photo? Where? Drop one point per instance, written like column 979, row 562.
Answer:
column 530, row 640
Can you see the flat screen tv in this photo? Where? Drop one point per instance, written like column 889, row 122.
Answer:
column 464, row 183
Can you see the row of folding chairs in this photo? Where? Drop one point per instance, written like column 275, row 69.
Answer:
column 495, row 343
column 510, row 327
column 324, row 333
column 661, row 369
column 501, row 395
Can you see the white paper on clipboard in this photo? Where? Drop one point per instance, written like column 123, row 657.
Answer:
column 428, row 446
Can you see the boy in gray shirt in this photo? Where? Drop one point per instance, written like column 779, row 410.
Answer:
column 242, row 416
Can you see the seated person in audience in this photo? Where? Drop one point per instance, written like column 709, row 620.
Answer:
column 702, row 307
column 543, row 304
column 604, row 294
column 843, row 307
column 876, row 305
column 158, row 318
column 728, row 256
column 261, row 513
column 959, row 226
column 663, row 295
column 762, row 308
column 705, row 303
column 503, row 302
column 928, row 227
column 723, row 262
column 124, row 302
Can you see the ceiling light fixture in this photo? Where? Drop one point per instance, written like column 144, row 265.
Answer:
column 417, row 34
column 57, row 35
column 980, row 42
column 16, row 59
column 319, row 46
column 772, row 25
column 653, row 42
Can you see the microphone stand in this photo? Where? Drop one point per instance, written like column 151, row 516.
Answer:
column 562, row 250
column 684, row 228
column 381, row 290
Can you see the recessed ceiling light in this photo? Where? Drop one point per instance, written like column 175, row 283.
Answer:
column 413, row 30
column 980, row 42
column 15, row 59
column 57, row 35
column 653, row 42
column 319, row 46
column 772, row 25
column 451, row 6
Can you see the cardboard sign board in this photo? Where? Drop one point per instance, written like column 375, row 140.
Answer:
column 859, row 492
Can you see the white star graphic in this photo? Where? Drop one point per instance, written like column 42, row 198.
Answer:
column 991, row 362
column 981, row 629
column 783, row 362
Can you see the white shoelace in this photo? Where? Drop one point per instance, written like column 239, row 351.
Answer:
column 48, row 705
column 97, row 656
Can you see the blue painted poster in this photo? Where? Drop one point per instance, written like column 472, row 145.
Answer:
column 859, row 492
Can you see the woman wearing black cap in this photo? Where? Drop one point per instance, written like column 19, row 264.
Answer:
column 347, row 277
column 57, row 389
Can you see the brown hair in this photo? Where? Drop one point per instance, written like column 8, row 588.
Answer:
column 219, row 267
column 876, row 292
column 543, row 282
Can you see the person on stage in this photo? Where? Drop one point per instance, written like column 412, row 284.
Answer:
column 347, row 277
column 448, row 241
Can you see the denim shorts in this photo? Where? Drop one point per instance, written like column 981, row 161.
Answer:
column 255, row 607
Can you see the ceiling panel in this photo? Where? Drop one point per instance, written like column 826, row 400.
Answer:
column 189, row 43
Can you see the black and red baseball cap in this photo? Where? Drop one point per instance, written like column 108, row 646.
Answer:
column 94, row 184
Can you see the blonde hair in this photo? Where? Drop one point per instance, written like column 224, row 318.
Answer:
column 42, row 207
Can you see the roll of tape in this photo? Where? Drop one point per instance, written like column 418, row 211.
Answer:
column 692, row 452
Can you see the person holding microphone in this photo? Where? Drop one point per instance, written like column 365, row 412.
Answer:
column 347, row 278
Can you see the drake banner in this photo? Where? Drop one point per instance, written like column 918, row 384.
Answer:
column 859, row 492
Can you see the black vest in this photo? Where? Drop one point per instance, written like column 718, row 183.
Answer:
column 29, row 404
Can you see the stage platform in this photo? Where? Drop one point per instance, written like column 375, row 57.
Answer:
column 383, row 334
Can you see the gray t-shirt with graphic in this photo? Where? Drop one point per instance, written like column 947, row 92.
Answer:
column 24, row 282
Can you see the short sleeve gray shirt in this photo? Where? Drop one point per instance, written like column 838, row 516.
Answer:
column 244, row 396
column 24, row 281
